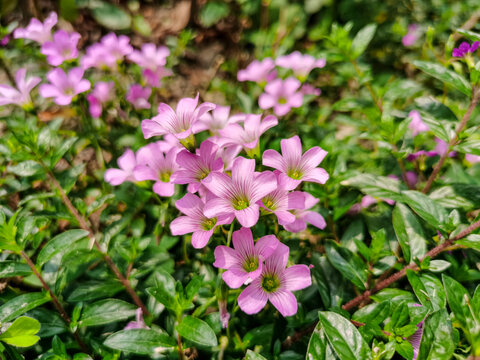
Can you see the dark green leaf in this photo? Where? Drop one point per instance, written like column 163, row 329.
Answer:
column 348, row 263
column 438, row 341
column 14, row 268
column 59, row 244
column 472, row 36
column 106, row 311
column 94, row 290
column 212, row 12
column 409, row 232
column 362, row 39
column 318, row 346
column 21, row 304
column 138, row 341
column 26, row 168
column 377, row 186
column 198, row 331
column 426, row 208
column 429, row 290
column 111, row 16
column 164, row 292
column 373, row 313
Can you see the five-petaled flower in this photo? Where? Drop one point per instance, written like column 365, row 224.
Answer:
column 63, row 47
column 464, row 49
column 21, row 95
column 36, row 30
column 64, row 87
column 282, row 95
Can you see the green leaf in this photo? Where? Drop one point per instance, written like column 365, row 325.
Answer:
column 62, row 149
column 111, row 16
column 409, row 233
column 426, row 208
column 373, row 313
column 22, row 332
column 405, row 349
column 362, row 39
column 94, row 290
column 25, row 168
column 21, row 304
column 106, row 311
column 13, row 268
column 344, row 337
column 348, row 263
column 470, row 146
column 212, row 12
column 51, row 322
column 59, row 244
column 470, row 35
column 141, row 25
column 472, row 241
column 438, row 341
column 445, row 75
column 253, row 356
column 138, row 341
column 439, row 265
column 197, row 331
column 429, row 290
column 164, row 292
column 318, row 346
column 377, row 186
column 439, row 117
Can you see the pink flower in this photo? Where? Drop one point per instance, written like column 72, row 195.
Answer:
column 294, row 166
column 258, row 71
column 63, row 87
column 472, row 158
column 282, row 95
column 224, row 315
column 464, row 49
column 305, row 216
column 138, row 96
column 63, row 47
column 417, row 125
column 116, row 46
column 154, row 165
column 247, row 136
column 179, row 122
column 308, row 89
column 127, row 163
column 97, row 56
column 195, row 168
column 100, row 95
column 5, row 40
column 218, row 119
column 412, row 35
column 139, row 323
column 21, row 95
column 244, row 263
column 150, row 57
column 169, row 141
column 416, row 339
column 195, row 221
column 154, row 77
column 275, row 284
column 239, row 194
column 36, row 30
column 442, row 147
column 299, row 63
column 279, row 201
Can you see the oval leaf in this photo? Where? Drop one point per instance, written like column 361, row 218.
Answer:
column 198, row 331
column 138, row 341
column 59, row 244
column 107, row 311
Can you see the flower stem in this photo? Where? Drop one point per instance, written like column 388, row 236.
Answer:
column 230, row 232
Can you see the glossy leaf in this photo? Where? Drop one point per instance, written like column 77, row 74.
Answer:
column 13, row 268
column 409, row 233
column 106, row 311
column 21, row 332
column 429, row 290
column 438, row 341
column 59, row 244
column 138, row 341
column 426, row 208
column 348, row 263
column 21, row 304
column 362, row 39
column 198, row 331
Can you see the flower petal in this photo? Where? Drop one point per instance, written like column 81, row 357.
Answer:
column 266, row 245
column 248, row 217
column 200, row 238
column 297, row 277
column 252, row 299
column 284, row 301
column 225, row 257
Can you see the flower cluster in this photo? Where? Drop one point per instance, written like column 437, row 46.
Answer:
column 282, row 93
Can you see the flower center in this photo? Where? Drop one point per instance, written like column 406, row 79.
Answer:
column 268, row 202
column 294, row 174
column 250, row 264
column 208, row 224
column 282, row 101
column 240, row 204
column 69, row 91
column 270, row 283
column 165, row 176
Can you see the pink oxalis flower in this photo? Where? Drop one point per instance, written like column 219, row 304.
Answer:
column 258, row 71
column 117, row 47
column 102, row 93
column 472, row 158
column 416, row 124
column 195, row 221
column 294, row 166
column 153, row 61
column 304, row 216
column 216, row 120
column 63, row 87
column 63, row 47
column 126, row 163
column 138, row 96
column 139, row 323
column 282, row 95
column 239, row 194
column 244, row 263
column 275, row 284
column 412, row 35
column 36, row 30
column 21, row 95
column 301, row 64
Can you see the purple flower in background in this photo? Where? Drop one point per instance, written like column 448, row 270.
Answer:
column 63, row 47
column 63, row 87
column 21, row 95
column 258, row 71
column 465, row 49
column 416, row 125
column 304, row 216
column 138, row 96
column 239, row 194
column 412, row 35
column 301, row 64
column 195, row 221
column 97, row 56
column 275, row 284
column 116, row 46
column 152, row 60
column 294, row 166
column 139, row 323
column 179, row 122
column 196, row 167
column 36, row 30
column 244, row 263
column 126, row 163
column 442, row 147
column 472, row 158
column 5, row 40
column 217, row 120
column 224, row 315
column 415, row 155
column 152, row 164
column 416, row 339
column 282, row 95
column 308, row 89
column 154, row 77
column 100, row 95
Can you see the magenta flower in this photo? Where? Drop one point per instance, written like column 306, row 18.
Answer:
column 21, row 95
column 282, row 95
column 63, row 47
column 417, row 125
column 305, row 216
column 308, row 89
column 415, row 155
column 472, row 158
column 169, row 141
column 195, row 168
column 412, row 35
column 150, row 57
column 247, row 136
column 139, row 323
column 416, row 339
column 244, row 263
column 97, row 56
column 126, row 163
column 442, row 147
column 301, row 64
column 239, row 194
column 217, row 120
column 36, row 30
column 63, row 87
column 258, row 71
column 152, row 164
column 294, row 166
column 179, row 122
column 5, row 40
column 100, row 95
column 464, row 49
column 154, row 77
column 116, row 46
column 138, row 96
column 228, row 154
column 195, row 221
column 280, row 200
column 275, row 284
